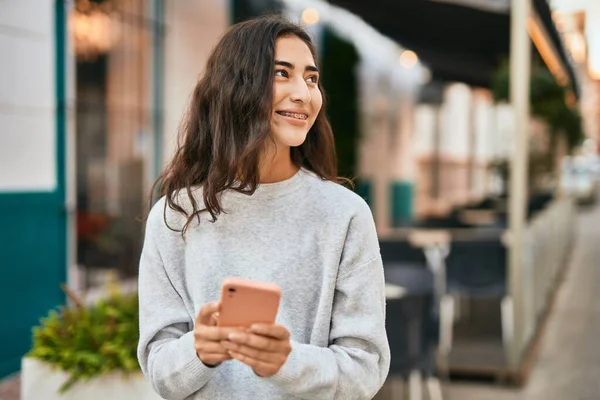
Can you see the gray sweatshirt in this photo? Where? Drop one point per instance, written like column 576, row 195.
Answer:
column 313, row 238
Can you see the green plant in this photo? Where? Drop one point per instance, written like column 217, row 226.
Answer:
column 86, row 342
column 548, row 102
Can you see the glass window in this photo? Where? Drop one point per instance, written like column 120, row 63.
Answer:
column 114, row 131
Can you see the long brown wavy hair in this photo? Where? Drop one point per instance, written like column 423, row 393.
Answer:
column 228, row 123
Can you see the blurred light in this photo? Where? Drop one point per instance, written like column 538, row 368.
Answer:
column 566, row 24
column 594, row 53
column 310, row 16
column 576, row 44
column 408, row 59
column 95, row 29
column 560, row 20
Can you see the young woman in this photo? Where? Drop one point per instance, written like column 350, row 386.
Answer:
column 252, row 192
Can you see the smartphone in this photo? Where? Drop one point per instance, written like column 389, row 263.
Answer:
column 245, row 302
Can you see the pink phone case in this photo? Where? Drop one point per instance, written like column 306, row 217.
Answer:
column 245, row 302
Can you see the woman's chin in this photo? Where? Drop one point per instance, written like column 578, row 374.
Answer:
column 297, row 143
column 294, row 139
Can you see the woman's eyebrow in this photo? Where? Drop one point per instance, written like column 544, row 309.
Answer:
column 291, row 66
column 284, row 64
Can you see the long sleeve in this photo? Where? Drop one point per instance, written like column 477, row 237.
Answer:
column 356, row 363
column 166, row 350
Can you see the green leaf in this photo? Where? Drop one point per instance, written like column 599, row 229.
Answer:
column 89, row 342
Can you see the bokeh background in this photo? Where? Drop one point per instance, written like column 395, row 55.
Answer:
column 471, row 128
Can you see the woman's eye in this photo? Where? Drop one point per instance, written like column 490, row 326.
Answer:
column 313, row 79
column 281, row 72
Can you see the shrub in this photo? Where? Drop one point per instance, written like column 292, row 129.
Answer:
column 87, row 342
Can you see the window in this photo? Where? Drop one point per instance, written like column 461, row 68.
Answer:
column 115, row 118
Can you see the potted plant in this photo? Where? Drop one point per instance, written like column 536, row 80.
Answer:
column 556, row 106
column 552, row 103
column 86, row 352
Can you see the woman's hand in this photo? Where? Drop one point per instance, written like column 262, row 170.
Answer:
column 208, row 336
column 265, row 348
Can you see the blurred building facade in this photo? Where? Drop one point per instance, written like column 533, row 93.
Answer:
column 425, row 156
column 92, row 95
column 32, row 171
column 579, row 24
column 93, row 92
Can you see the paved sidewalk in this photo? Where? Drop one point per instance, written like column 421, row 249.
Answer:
column 10, row 388
column 568, row 365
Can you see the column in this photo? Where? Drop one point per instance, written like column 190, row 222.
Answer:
column 520, row 62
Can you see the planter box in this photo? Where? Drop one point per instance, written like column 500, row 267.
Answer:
column 40, row 381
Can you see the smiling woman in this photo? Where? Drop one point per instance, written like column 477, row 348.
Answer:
column 239, row 100
column 297, row 99
column 252, row 192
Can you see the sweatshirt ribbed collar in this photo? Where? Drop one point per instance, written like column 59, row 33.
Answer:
column 271, row 191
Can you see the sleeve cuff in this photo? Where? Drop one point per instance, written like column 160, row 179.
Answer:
column 304, row 361
column 190, row 359
column 290, row 371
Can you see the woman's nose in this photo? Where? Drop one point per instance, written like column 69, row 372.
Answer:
column 300, row 92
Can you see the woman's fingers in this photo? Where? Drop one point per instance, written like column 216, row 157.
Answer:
column 259, row 342
column 210, row 347
column 206, row 313
column 265, row 348
column 208, row 336
column 214, row 333
column 274, row 331
column 260, row 368
column 214, row 319
column 261, row 355
column 264, row 354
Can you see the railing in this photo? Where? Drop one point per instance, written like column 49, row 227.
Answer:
column 549, row 239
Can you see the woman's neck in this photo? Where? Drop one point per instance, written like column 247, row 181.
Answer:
column 277, row 166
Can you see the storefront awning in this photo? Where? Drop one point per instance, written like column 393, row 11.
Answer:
column 460, row 40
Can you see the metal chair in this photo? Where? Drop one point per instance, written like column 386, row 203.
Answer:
column 476, row 269
column 411, row 326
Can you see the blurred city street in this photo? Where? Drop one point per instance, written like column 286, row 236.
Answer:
column 471, row 129
column 568, row 364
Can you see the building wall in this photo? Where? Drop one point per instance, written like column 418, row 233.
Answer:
column 32, row 191
column 27, row 97
column 473, row 132
column 37, row 136
column 398, row 150
column 193, row 28
column 588, row 69
column 115, row 115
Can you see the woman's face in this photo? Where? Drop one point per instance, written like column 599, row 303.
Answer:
column 297, row 99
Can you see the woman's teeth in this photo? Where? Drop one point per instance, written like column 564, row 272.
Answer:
column 293, row 115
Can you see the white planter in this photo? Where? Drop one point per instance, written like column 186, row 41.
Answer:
column 40, row 381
